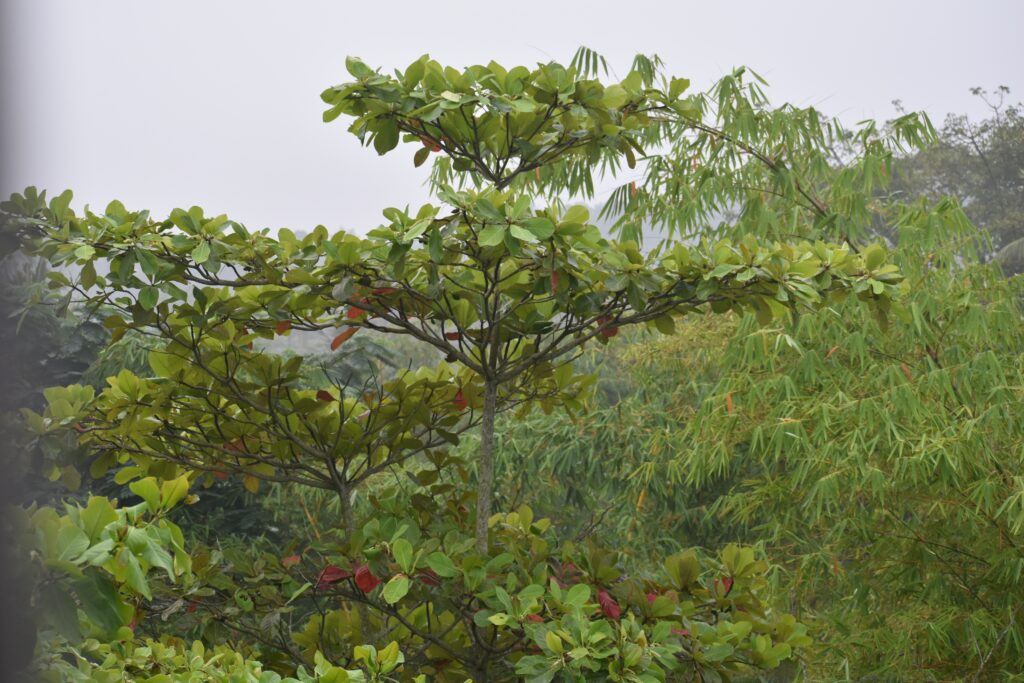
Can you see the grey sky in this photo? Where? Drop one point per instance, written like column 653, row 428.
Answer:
column 216, row 103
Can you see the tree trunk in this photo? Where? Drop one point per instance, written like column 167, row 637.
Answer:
column 346, row 511
column 485, row 474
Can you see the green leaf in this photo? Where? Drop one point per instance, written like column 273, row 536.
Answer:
column 201, row 253
column 135, row 577
column 148, row 297
column 386, row 138
column 395, row 589
column 614, row 96
column 577, row 213
column 357, row 68
column 666, row 324
column 677, row 86
column 148, row 490
column 172, row 491
column 540, row 227
column 491, row 235
column 420, row 156
column 164, row 364
column 683, row 568
column 874, row 256
column 144, row 545
column 499, row 619
column 413, row 74
column 416, row 229
column 578, row 595
column 71, row 542
column 402, row 550
column 99, row 600
column 97, row 554
column 441, row 564
column 96, row 515
column 718, row 652
column 522, row 234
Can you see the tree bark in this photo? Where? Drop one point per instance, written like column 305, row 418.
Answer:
column 346, row 511
column 485, row 474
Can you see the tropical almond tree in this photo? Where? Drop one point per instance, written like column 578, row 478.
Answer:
column 507, row 291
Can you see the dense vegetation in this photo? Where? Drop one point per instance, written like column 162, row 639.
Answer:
column 489, row 442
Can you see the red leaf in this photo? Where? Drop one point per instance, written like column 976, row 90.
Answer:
column 220, row 475
column 651, row 597
column 906, row 372
column 332, row 574
column 429, row 577
column 728, row 403
column 681, row 632
column 632, row 189
column 460, row 401
column 384, row 291
column 535, row 618
column 192, row 605
column 453, row 336
column 365, row 579
column 609, row 607
column 430, row 144
column 289, row 561
column 324, row 395
column 726, row 582
column 353, row 312
column 607, row 332
column 554, row 281
column 283, row 326
column 343, row 337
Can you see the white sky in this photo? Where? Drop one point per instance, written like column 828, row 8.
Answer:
column 216, row 102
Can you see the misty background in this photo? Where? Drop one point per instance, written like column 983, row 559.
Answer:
column 217, row 103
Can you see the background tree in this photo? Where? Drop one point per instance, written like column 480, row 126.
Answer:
column 980, row 163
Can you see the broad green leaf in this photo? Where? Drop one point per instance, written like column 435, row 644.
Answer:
column 395, row 589
column 148, row 490
column 492, row 235
column 578, row 595
column 402, row 551
column 441, row 564
column 540, row 227
column 96, row 515
column 614, row 96
column 386, row 138
column 148, row 297
column 201, row 253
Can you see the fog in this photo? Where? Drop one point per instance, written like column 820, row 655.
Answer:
column 217, row 103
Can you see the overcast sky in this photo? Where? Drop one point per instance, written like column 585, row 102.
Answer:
column 216, row 102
